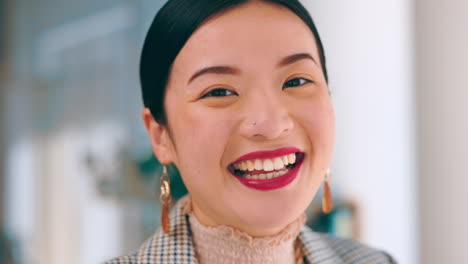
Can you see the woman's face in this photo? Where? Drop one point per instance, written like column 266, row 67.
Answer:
column 250, row 80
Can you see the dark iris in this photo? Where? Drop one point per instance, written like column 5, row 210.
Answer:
column 295, row 82
column 218, row 93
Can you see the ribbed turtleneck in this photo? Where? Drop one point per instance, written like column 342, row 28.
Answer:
column 226, row 245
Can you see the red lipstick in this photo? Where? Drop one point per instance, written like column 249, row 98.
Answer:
column 274, row 183
column 268, row 154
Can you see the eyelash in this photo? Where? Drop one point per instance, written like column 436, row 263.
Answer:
column 300, row 84
column 215, row 92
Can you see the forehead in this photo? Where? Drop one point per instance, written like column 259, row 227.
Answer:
column 256, row 34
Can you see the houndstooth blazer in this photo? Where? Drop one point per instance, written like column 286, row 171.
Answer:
column 177, row 247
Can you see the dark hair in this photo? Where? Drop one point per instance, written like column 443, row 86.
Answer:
column 171, row 28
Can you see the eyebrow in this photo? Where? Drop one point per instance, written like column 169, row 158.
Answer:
column 295, row 57
column 222, row 69
column 217, row 70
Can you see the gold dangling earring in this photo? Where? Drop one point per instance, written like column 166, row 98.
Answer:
column 327, row 203
column 165, row 199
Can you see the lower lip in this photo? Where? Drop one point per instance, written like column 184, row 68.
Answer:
column 272, row 184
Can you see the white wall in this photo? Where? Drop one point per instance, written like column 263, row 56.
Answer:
column 21, row 215
column 369, row 49
column 442, row 72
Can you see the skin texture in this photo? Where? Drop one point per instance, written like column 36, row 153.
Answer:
column 205, row 135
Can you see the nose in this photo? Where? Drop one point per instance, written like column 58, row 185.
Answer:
column 266, row 118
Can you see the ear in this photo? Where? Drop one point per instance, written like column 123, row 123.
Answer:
column 159, row 137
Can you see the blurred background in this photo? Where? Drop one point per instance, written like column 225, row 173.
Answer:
column 78, row 181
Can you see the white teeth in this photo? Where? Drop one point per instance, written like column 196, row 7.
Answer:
column 268, row 165
column 266, row 176
column 250, row 165
column 258, row 164
column 243, row 166
column 278, row 163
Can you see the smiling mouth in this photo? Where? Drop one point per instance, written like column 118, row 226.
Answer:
column 266, row 169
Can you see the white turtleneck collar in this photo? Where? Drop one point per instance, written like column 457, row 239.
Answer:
column 226, row 245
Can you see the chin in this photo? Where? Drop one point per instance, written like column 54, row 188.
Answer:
column 269, row 216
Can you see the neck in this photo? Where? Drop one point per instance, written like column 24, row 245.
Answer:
column 226, row 245
column 252, row 231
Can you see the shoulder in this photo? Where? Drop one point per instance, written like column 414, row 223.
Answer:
column 135, row 257
column 175, row 247
column 324, row 248
column 130, row 259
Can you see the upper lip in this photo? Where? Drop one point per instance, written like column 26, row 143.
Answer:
column 267, row 154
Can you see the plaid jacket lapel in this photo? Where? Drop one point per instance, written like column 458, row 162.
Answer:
column 320, row 248
column 176, row 247
column 316, row 249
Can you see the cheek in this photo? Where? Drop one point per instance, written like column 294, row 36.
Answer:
column 200, row 137
column 324, row 122
column 319, row 124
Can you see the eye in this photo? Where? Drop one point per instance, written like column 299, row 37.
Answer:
column 218, row 92
column 295, row 82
